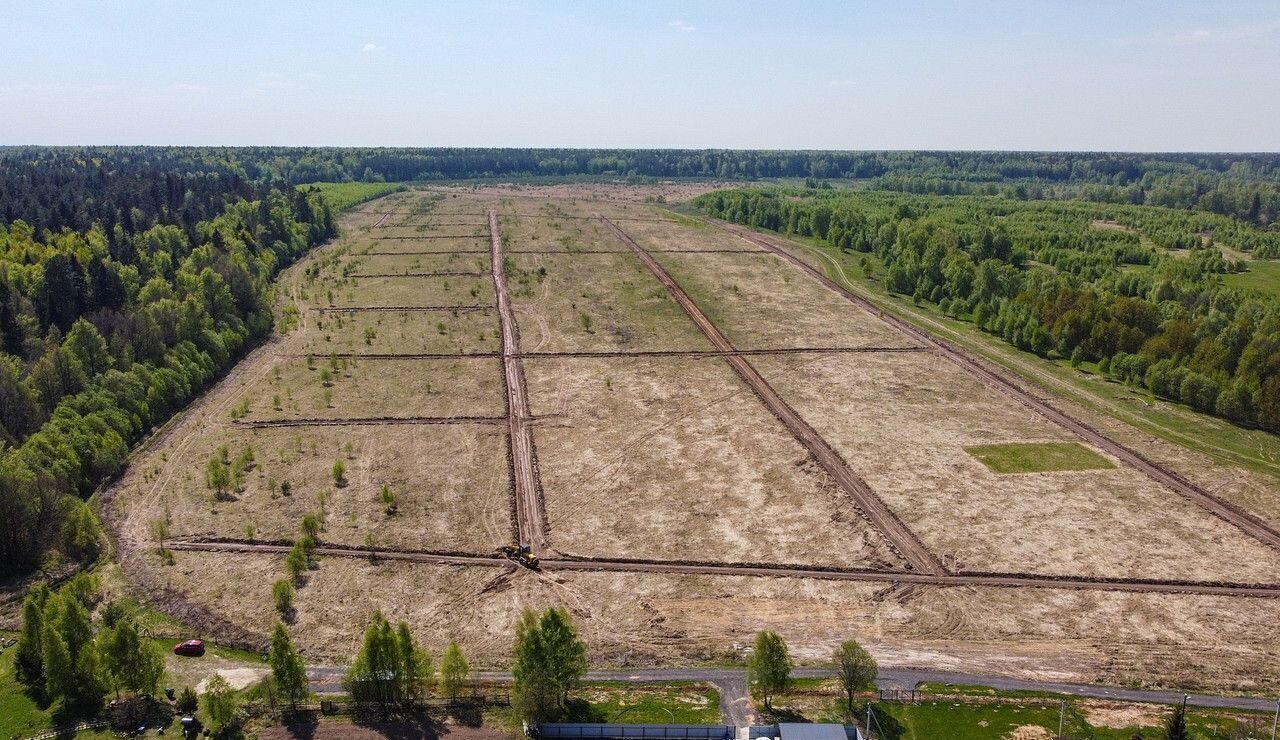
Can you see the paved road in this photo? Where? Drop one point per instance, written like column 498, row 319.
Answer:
column 737, row 708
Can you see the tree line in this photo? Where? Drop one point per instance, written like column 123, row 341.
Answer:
column 52, row 187
column 1080, row 281
column 107, row 331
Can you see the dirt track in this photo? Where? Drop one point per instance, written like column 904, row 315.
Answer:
column 903, row 541
column 1243, row 520
column 460, row 273
column 444, row 309
column 530, row 519
column 1000, row 580
column 370, row 421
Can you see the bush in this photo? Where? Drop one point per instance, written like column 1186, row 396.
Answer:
column 187, row 700
column 282, row 594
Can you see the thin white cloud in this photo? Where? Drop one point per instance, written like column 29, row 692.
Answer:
column 1201, row 36
column 682, row 26
column 371, row 48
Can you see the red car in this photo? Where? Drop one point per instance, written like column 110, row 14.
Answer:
column 190, row 648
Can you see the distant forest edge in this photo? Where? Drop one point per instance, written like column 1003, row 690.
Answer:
column 128, row 284
column 1142, row 292
column 1246, row 186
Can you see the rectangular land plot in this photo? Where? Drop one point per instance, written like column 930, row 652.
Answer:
column 450, row 483
column 440, row 227
column 375, row 388
column 760, row 302
column 396, row 264
column 415, row 290
column 552, row 233
column 595, row 303
column 676, row 459
column 903, row 421
column 684, row 235
column 396, row 332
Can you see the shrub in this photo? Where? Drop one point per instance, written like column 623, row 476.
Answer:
column 282, row 595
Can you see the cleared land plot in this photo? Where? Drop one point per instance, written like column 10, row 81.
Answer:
column 450, row 290
column 903, row 422
column 398, row 332
column 685, row 235
column 760, row 302
column 1038, row 457
column 450, row 483
column 551, row 233
column 375, row 388
column 675, row 459
column 595, row 302
column 415, row 263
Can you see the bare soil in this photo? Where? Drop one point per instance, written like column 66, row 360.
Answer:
column 754, row 299
column 903, row 420
column 676, row 459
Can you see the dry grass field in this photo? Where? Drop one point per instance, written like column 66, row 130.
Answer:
column 374, row 387
column 650, row 449
column 595, row 303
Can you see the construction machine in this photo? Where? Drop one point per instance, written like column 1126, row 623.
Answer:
column 520, row 555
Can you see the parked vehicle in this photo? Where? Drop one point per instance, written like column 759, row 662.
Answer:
column 190, row 648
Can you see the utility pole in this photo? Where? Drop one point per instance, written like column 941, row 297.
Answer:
column 867, row 722
column 1275, row 721
column 1062, row 714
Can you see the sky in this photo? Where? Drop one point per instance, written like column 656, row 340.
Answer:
column 1131, row 75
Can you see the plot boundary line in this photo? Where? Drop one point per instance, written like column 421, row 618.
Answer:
column 897, row 535
column 357, row 421
column 1245, row 521
column 994, row 579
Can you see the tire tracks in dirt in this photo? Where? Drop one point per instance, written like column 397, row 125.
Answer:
column 899, row 537
column 1245, row 521
column 560, row 563
column 530, row 517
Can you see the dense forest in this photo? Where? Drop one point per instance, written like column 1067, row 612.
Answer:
column 1246, row 186
column 1136, row 289
column 127, row 285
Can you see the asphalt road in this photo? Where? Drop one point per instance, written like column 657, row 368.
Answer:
column 737, row 709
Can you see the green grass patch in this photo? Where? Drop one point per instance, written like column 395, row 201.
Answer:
column 1038, row 457
column 676, row 702
column 1262, row 276
column 344, row 195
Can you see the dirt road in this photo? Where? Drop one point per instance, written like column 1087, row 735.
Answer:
column 901, row 539
column 997, row 580
column 531, row 525
column 1243, row 520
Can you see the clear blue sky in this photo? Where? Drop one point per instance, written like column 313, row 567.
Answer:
column 1025, row 74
